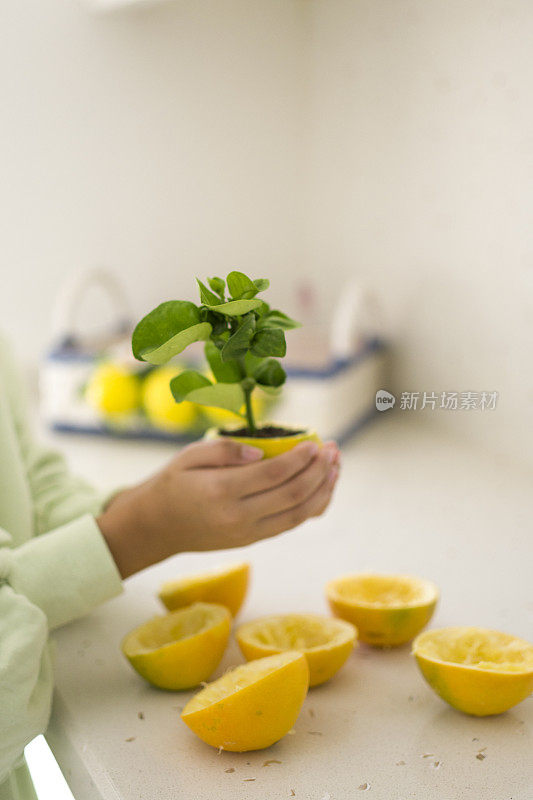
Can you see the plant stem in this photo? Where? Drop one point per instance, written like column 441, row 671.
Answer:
column 249, row 410
column 250, row 419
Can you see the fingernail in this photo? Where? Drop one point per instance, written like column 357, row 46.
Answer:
column 330, row 455
column 333, row 475
column 251, row 453
column 308, row 447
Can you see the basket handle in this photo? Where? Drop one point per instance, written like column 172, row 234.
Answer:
column 72, row 294
column 358, row 316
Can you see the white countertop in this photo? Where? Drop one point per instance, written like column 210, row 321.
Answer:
column 409, row 500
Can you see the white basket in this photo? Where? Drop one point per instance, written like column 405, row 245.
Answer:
column 335, row 397
column 74, row 353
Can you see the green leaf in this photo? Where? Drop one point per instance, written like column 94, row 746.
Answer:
column 195, row 387
column 269, row 342
column 241, row 286
column 186, row 382
column 252, row 362
column 272, row 391
column 239, row 344
column 218, row 285
column 221, row 395
column 218, row 322
column 225, row 372
column 167, row 330
column 221, row 340
column 261, row 284
column 206, row 295
column 262, row 309
column 235, row 308
column 270, row 373
column 277, row 319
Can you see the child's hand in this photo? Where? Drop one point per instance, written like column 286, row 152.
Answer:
column 215, row 495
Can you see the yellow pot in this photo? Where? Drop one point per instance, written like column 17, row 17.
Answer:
column 271, row 446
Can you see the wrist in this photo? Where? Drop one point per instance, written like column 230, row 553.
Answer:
column 128, row 530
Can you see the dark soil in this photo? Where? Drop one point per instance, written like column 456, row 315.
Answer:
column 268, row 432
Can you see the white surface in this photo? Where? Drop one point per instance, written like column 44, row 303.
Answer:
column 47, row 777
column 408, row 501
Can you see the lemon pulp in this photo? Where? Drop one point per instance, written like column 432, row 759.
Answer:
column 385, row 591
column 166, row 630
column 297, row 631
column 236, row 680
column 325, row 642
column 476, row 647
column 181, row 649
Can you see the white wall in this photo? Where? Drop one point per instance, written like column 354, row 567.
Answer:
column 157, row 140
column 420, row 182
column 386, row 140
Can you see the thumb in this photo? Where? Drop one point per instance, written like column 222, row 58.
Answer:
column 218, row 453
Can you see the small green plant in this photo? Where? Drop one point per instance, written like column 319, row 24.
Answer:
column 243, row 337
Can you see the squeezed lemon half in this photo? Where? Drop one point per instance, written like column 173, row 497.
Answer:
column 325, row 642
column 252, row 706
column 226, row 585
column 387, row 610
column 181, row 649
column 476, row 670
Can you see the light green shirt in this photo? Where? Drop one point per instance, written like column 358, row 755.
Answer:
column 54, row 567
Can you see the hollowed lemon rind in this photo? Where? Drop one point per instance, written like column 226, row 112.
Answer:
column 226, row 585
column 181, row 649
column 252, row 706
column 324, row 658
column 383, row 621
column 483, row 687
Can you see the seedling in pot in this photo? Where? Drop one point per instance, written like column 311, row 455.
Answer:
column 244, row 338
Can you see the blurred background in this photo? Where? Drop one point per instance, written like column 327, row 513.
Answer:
column 374, row 150
column 314, row 141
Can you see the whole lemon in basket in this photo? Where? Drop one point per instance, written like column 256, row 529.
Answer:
column 112, row 390
column 160, row 406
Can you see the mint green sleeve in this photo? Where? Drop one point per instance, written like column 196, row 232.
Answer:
column 57, row 495
column 66, row 572
column 67, row 569
column 60, row 574
column 25, row 673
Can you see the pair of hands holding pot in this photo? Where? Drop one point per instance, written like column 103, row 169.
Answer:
column 216, row 495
